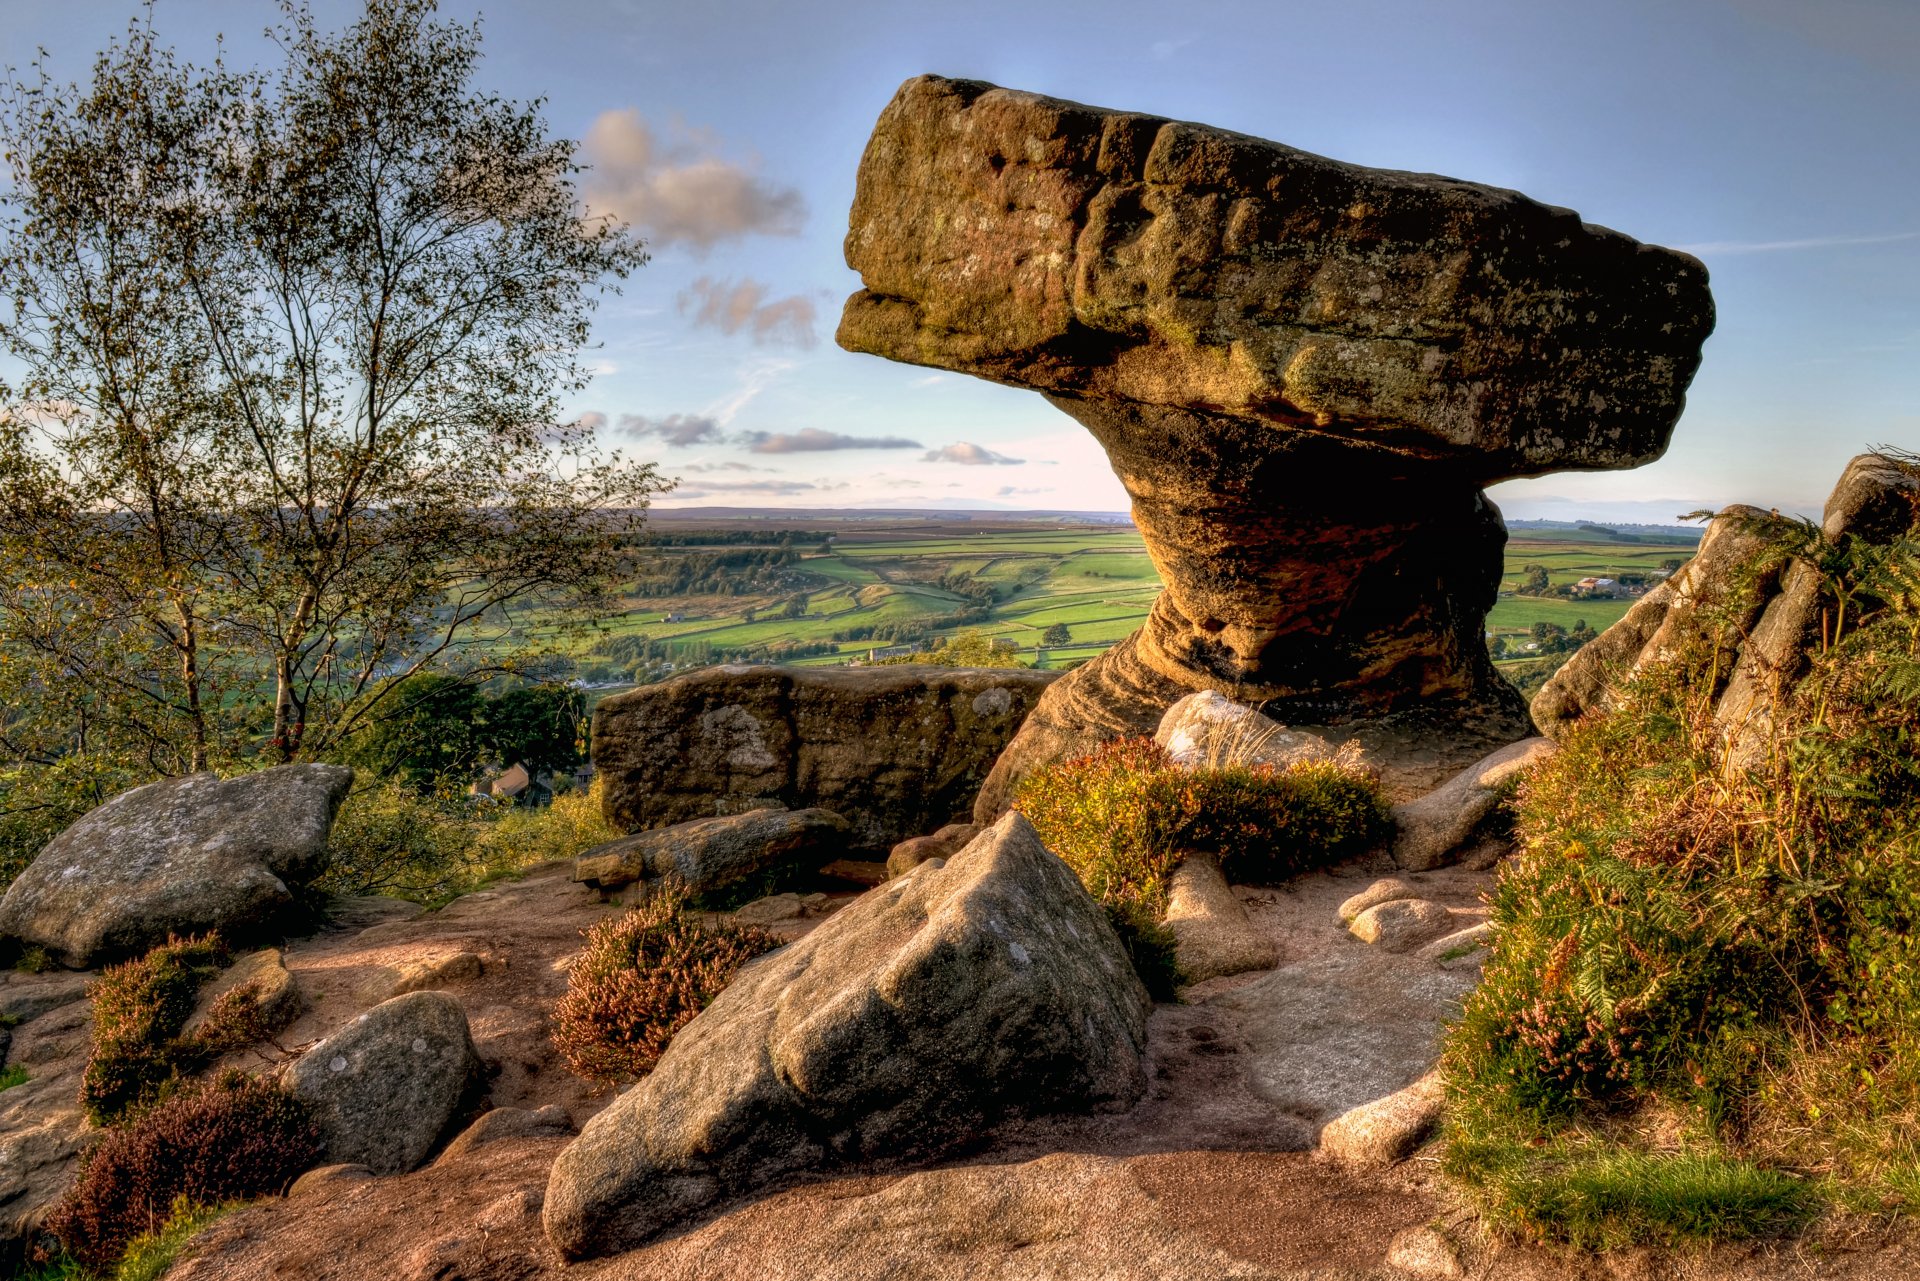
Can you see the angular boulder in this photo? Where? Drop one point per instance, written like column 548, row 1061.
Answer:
column 710, row 853
column 961, row 994
column 385, row 1087
column 183, row 856
column 1303, row 371
column 898, row 750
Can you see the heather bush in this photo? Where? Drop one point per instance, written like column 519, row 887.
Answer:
column 139, row 1008
column 1123, row 817
column 1728, row 952
column 234, row 1140
column 640, row 979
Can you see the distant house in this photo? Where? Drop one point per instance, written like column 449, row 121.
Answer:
column 515, row 785
column 890, row 651
column 1596, row 587
column 673, row 618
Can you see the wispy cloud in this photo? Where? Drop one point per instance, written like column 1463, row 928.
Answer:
column 757, row 378
column 734, row 307
column 969, row 455
column 1725, row 247
column 812, row 440
column 676, row 430
column 681, row 191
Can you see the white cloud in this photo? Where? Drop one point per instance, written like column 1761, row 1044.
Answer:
column 969, row 455
column 732, row 308
column 682, row 192
column 810, row 440
column 1723, row 247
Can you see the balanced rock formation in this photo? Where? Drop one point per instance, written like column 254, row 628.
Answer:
column 960, row 994
column 182, row 856
column 1761, row 613
column 1303, row 371
column 898, row 750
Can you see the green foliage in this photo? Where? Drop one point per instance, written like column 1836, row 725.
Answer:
column 641, row 978
column 1123, row 817
column 1737, row 942
column 542, row 727
column 150, row 1254
column 969, row 649
column 139, row 1008
column 1056, row 634
column 391, row 839
column 431, row 733
column 38, row 801
column 234, row 1140
column 13, row 1074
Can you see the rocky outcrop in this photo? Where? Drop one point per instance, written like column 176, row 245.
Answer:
column 1762, row 614
column 712, row 853
column 183, row 856
column 1303, row 371
column 898, row 750
column 960, row 994
column 1437, row 827
column 385, row 1087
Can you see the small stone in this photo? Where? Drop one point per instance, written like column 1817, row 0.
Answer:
column 766, row 911
column 945, row 843
column 1402, row 925
column 1213, row 936
column 1425, row 1252
column 438, row 972
column 515, row 1206
column 1459, row 945
column 1387, row 1130
column 1379, row 892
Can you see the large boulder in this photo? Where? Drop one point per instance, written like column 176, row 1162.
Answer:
column 1763, row 615
column 385, row 1087
column 182, row 856
column 1303, row 371
column 710, row 853
column 899, row 750
column 963, row 993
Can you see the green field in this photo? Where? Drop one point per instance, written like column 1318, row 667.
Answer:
column 1095, row 579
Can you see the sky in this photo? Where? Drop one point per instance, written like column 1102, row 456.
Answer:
column 1776, row 139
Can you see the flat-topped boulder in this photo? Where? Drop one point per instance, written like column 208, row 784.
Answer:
column 898, row 751
column 1303, row 372
column 182, row 856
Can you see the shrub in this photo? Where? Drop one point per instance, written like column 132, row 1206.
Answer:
column 139, row 1008
column 149, row 1255
column 641, row 978
column 234, row 1140
column 1731, row 944
column 391, row 839
column 1123, row 817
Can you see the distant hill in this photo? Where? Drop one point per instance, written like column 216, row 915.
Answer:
column 1612, row 532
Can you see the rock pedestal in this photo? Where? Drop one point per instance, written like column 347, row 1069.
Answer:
column 1302, row 371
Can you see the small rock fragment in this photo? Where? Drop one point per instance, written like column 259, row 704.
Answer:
column 1459, row 945
column 766, row 911
column 945, row 843
column 1425, row 1252
column 1387, row 1130
column 1402, row 925
column 437, row 972
column 1379, row 892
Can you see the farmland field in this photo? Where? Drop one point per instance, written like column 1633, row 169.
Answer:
column 855, row 583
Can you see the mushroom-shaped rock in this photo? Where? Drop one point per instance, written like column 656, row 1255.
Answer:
column 385, row 1086
column 1303, row 372
column 182, row 856
column 932, row 1007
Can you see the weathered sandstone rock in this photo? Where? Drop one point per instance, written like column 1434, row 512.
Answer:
column 1427, row 1253
column 1213, row 936
column 1437, row 827
column 934, row 1006
column 898, row 750
column 1462, row 947
column 263, row 976
column 710, row 853
column 1381, row 891
column 1402, row 924
column 432, row 972
column 1208, row 730
column 915, row 850
column 1303, row 372
column 1386, row 1130
column 182, row 856
column 1764, row 621
column 385, row 1086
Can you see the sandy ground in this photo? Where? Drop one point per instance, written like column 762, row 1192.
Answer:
column 1201, row 1180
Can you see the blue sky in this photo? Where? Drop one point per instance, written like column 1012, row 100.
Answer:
column 1776, row 138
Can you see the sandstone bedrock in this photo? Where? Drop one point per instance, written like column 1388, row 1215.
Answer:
column 1303, row 372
